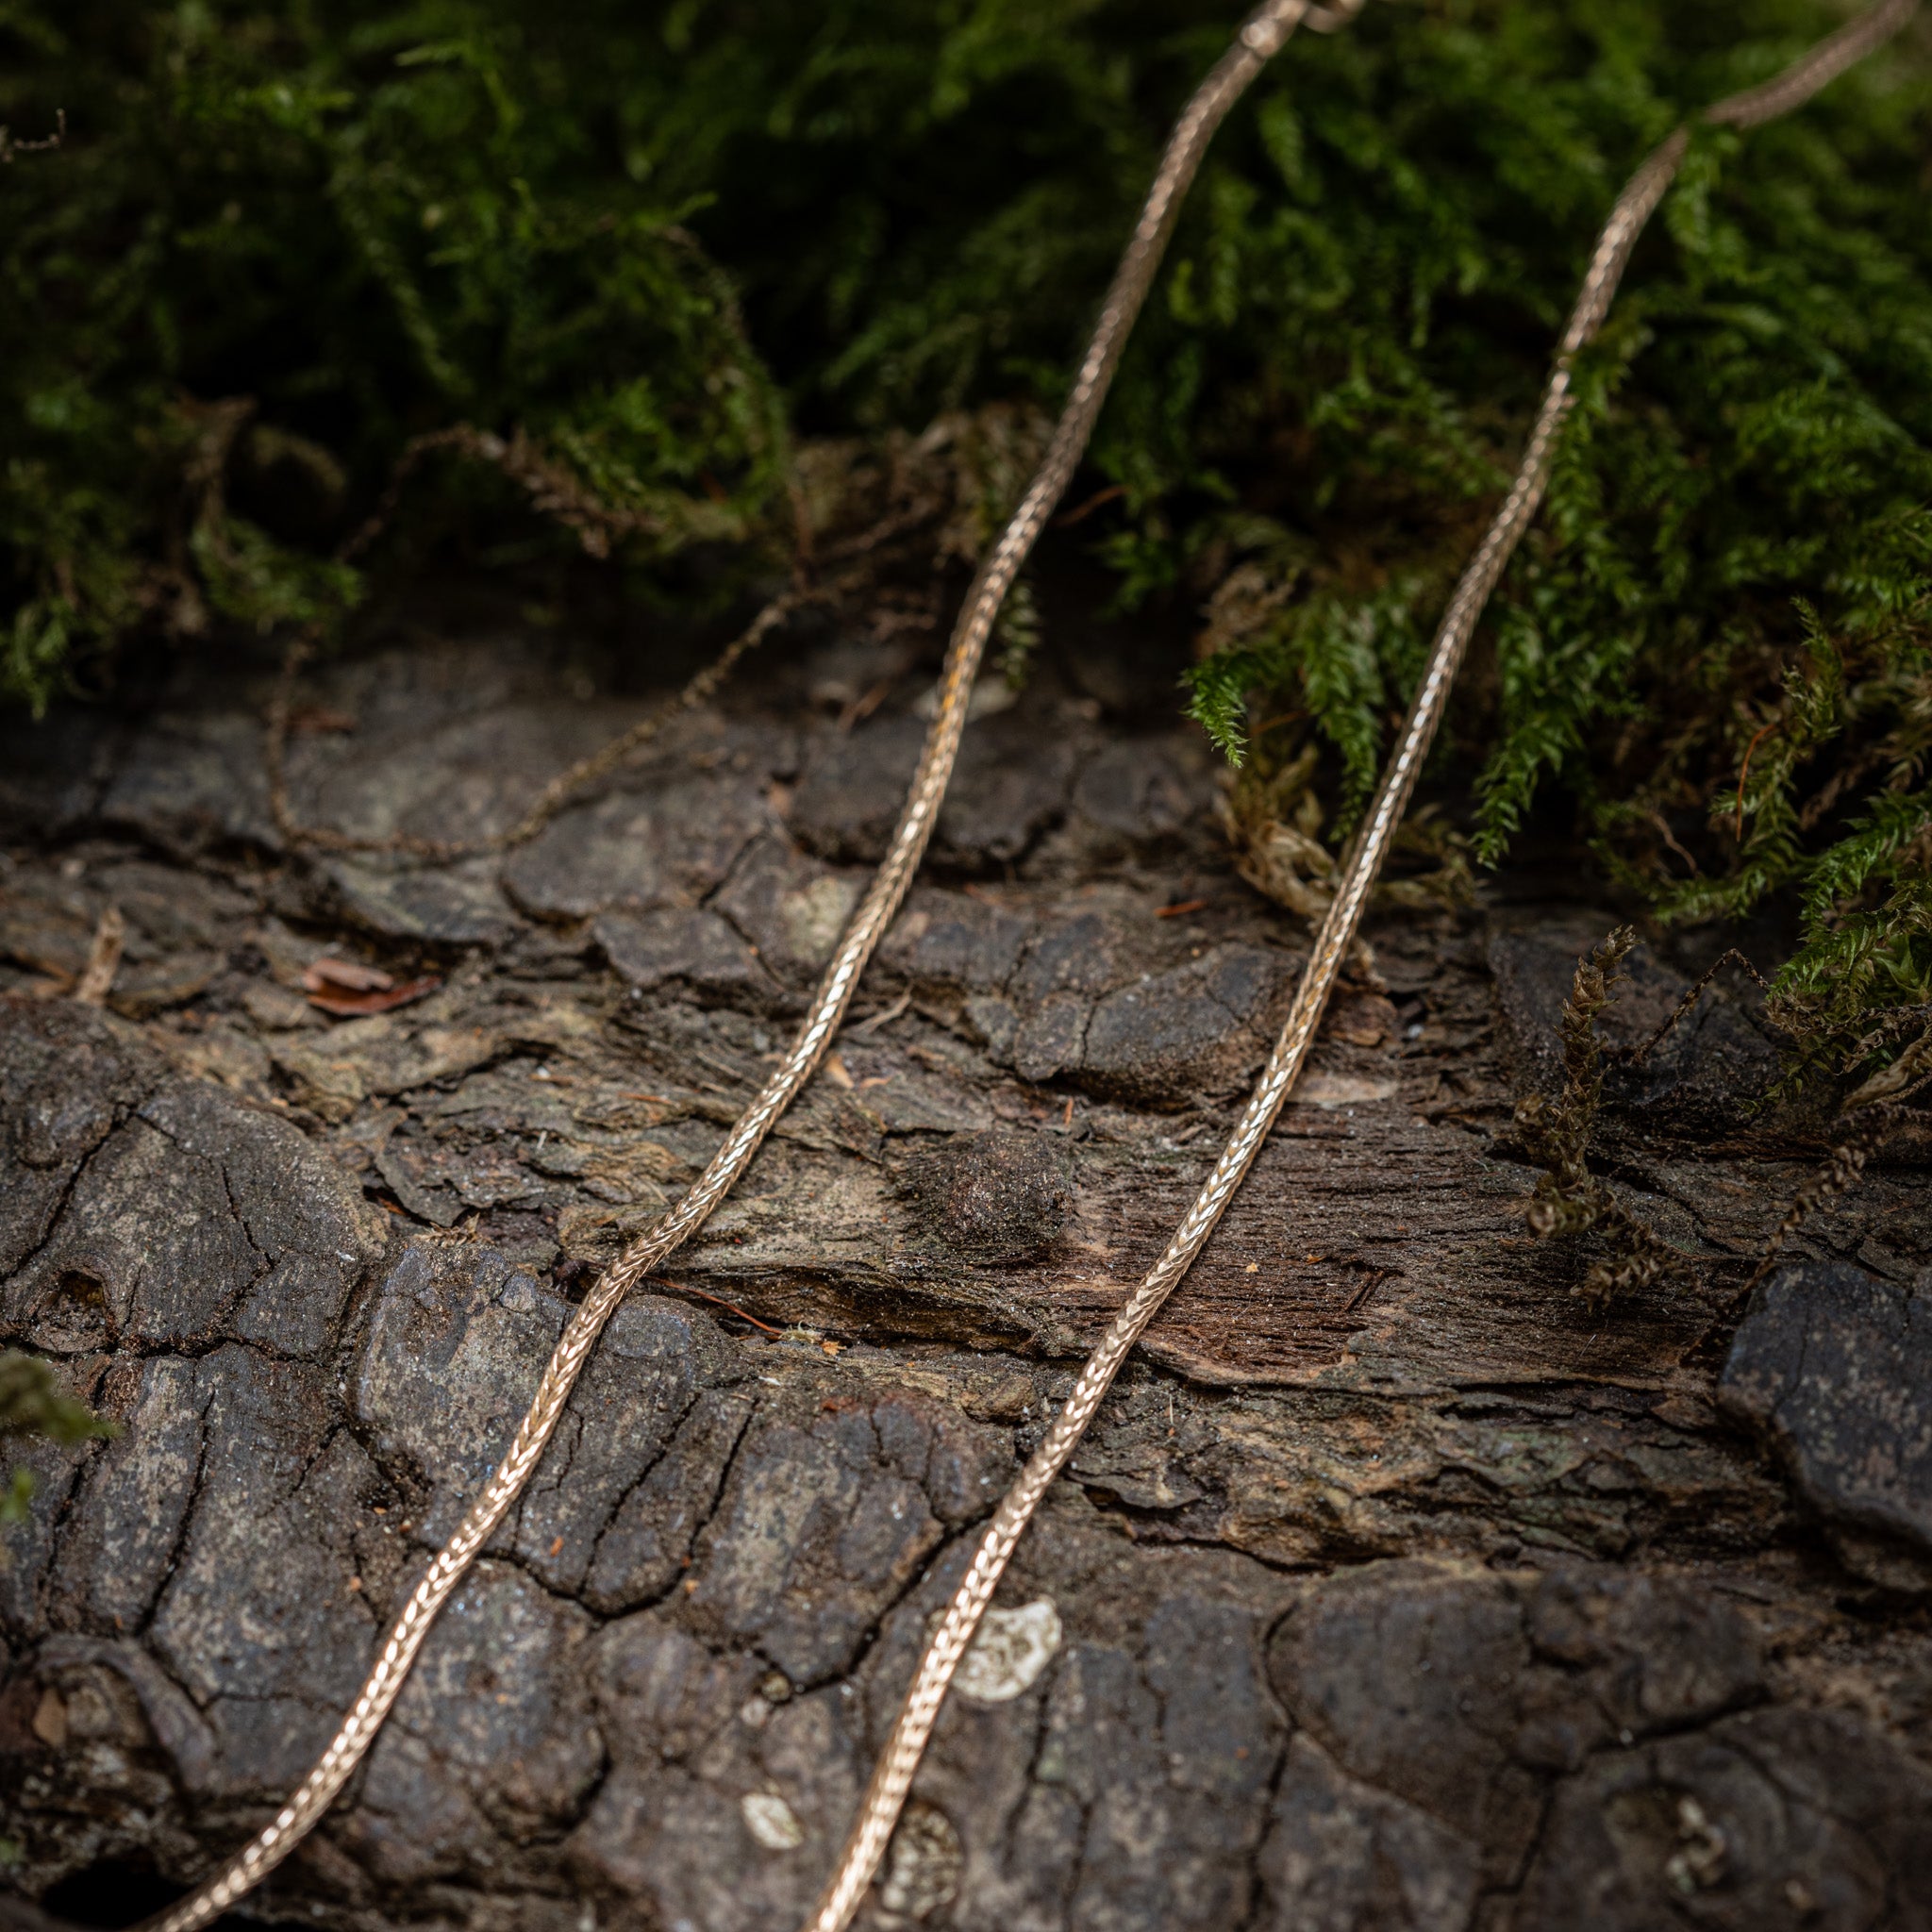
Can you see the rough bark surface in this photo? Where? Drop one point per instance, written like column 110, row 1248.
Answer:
column 1398, row 1587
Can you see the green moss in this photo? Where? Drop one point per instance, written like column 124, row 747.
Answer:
column 33, row 1403
column 651, row 247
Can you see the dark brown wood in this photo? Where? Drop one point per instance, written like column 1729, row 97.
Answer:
column 1398, row 1586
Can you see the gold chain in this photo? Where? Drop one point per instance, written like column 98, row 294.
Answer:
column 1260, row 38
column 893, row 1778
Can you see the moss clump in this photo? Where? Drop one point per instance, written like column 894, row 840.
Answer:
column 34, row 1404
column 620, row 261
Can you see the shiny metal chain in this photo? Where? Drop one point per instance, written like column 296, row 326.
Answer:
column 1261, row 37
column 893, row 1778
column 1264, row 33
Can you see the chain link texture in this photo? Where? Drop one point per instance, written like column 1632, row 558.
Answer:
column 892, row 1779
column 1260, row 38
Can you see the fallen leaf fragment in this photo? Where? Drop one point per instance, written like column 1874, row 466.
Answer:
column 355, row 1004
column 350, row 990
column 351, row 976
column 314, row 719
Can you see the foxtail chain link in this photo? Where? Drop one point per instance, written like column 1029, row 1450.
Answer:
column 892, row 1779
column 1260, row 38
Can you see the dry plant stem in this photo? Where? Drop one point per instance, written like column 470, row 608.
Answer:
column 103, row 961
column 1636, row 1056
column 700, row 690
column 1259, row 39
column 1865, row 1131
column 562, row 790
column 598, row 764
column 891, row 1780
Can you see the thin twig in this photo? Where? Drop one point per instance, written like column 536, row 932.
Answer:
column 552, row 799
column 1744, row 771
column 1083, row 512
column 1869, row 1128
column 96, row 980
column 884, row 1016
column 716, row 1300
column 568, row 784
column 701, row 688
column 1669, row 839
column 1636, row 1056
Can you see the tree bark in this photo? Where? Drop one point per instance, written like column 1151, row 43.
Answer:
column 1399, row 1585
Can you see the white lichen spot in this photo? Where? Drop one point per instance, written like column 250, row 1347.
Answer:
column 772, row 1820
column 1331, row 1091
column 922, row 1874
column 815, row 915
column 1009, row 1653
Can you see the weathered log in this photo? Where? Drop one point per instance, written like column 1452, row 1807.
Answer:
column 1399, row 1586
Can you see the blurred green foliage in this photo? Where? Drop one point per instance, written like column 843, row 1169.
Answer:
column 33, row 1403
column 655, row 245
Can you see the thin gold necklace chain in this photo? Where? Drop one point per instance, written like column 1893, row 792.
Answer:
column 1260, row 38
column 893, row 1778
column 1265, row 32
